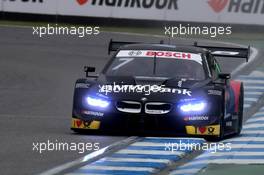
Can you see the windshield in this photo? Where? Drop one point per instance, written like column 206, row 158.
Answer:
column 165, row 64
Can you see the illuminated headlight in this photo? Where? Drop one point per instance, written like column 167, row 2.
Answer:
column 194, row 106
column 97, row 102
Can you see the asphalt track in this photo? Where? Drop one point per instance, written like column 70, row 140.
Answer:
column 36, row 87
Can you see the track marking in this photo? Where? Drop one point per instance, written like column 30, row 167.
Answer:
column 99, row 167
column 138, row 160
column 89, row 157
column 150, row 152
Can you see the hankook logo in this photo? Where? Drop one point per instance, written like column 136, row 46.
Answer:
column 82, row 2
column 238, row 6
column 218, row 5
column 146, row 4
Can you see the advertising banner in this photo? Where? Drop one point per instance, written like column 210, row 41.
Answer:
column 216, row 11
column 30, row 6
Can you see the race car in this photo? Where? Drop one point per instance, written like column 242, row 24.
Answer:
column 162, row 89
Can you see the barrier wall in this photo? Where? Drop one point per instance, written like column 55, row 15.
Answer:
column 217, row 11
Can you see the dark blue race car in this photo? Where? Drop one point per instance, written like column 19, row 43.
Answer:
column 161, row 89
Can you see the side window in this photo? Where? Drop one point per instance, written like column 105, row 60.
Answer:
column 214, row 66
column 217, row 67
column 209, row 63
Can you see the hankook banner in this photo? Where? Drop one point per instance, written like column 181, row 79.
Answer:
column 217, row 11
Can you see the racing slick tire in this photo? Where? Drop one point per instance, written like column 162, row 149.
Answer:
column 240, row 111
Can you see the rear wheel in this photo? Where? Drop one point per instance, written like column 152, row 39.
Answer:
column 240, row 111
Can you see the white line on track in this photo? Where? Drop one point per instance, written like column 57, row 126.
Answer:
column 224, row 161
column 254, row 87
column 246, row 145
column 156, row 144
column 252, row 93
column 248, row 81
column 149, row 144
column 247, row 105
column 99, row 167
column 236, row 161
column 175, row 138
column 185, row 171
column 258, row 113
column 253, row 132
column 258, row 119
column 254, row 125
column 166, row 161
column 245, row 139
column 251, row 99
column 150, row 152
column 84, row 174
column 237, row 153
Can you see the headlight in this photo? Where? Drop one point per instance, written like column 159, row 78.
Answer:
column 193, row 106
column 97, row 102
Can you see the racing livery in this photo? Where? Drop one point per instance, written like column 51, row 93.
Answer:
column 161, row 89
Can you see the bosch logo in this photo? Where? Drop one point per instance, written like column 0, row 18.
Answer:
column 145, row 4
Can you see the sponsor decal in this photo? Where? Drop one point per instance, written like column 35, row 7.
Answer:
column 134, row 53
column 203, row 130
column 82, row 85
column 98, row 114
column 218, row 5
column 146, row 89
column 235, row 117
column 82, row 2
column 169, row 54
column 80, row 124
column 140, row 4
column 160, row 54
column 229, row 123
column 214, row 92
column 196, row 118
column 238, row 6
column 181, row 82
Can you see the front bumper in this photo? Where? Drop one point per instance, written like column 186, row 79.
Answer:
column 122, row 123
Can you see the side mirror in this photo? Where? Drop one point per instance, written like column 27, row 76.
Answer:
column 88, row 69
column 224, row 76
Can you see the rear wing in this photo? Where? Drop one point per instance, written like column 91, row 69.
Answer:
column 234, row 52
column 115, row 45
